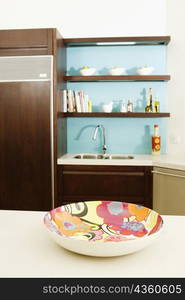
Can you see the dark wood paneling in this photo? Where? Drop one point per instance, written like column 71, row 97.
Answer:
column 25, row 156
column 23, row 51
column 26, row 42
column 116, row 183
column 101, row 168
column 60, row 126
column 23, row 38
column 131, row 199
column 33, row 42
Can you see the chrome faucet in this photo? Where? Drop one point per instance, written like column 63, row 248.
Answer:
column 103, row 133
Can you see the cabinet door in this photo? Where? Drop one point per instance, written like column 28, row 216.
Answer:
column 81, row 183
column 169, row 191
column 25, row 156
column 26, row 42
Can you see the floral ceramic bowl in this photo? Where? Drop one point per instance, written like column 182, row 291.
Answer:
column 103, row 228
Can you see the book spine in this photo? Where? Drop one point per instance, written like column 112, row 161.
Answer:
column 86, row 100
column 70, row 101
column 82, row 101
column 64, row 101
column 77, row 101
column 73, row 101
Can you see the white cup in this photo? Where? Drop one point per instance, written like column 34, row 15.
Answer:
column 107, row 107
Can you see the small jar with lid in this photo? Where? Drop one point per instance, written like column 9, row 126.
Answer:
column 123, row 107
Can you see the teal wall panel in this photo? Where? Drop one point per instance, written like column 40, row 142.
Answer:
column 124, row 135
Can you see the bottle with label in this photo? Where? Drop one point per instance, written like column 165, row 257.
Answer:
column 156, row 141
column 129, row 106
column 149, row 107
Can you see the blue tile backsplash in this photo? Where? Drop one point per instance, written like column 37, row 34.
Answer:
column 106, row 57
column 124, row 135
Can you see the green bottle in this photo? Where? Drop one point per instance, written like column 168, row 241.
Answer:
column 149, row 107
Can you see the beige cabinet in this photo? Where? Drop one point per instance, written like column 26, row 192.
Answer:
column 169, row 191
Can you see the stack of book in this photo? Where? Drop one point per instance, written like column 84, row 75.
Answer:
column 75, row 101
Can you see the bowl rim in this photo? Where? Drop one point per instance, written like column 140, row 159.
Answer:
column 134, row 239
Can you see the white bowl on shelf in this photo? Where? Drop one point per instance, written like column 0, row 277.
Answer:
column 107, row 107
column 116, row 71
column 146, row 70
column 87, row 71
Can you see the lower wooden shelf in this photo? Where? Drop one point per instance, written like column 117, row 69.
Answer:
column 107, row 78
column 114, row 115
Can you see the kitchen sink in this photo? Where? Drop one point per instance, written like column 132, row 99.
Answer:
column 122, row 157
column 85, row 156
column 102, row 156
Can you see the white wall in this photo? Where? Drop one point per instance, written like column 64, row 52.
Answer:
column 176, row 67
column 87, row 18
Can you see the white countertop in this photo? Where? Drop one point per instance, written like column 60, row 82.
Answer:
column 27, row 251
column 164, row 160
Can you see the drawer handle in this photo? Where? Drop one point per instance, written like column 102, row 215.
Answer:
column 104, row 173
column 168, row 174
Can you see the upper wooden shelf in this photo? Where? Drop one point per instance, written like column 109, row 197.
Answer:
column 117, row 78
column 114, row 114
column 117, row 41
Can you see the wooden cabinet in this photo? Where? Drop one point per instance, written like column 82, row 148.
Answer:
column 28, row 117
column 25, row 168
column 26, row 42
column 117, row 183
column 169, row 191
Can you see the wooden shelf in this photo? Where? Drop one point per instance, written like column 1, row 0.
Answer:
column 114, row 114
column 105, row 78
column 117, row 41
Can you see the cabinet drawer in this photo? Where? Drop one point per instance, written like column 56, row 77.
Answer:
column 103, row 183
column 83, row 183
